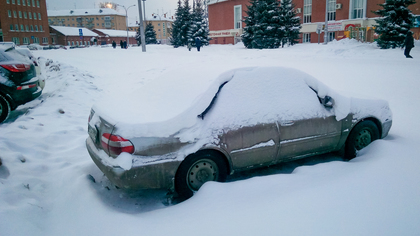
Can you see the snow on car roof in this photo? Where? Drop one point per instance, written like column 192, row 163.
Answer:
column 252, row 95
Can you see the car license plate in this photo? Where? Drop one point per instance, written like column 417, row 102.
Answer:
column 93, row 133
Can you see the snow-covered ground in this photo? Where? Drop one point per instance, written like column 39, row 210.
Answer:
column 50, row 186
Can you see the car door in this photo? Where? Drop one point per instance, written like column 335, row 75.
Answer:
column 308, row 136
column 252, row 145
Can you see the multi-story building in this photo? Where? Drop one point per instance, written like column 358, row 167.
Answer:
column 102, row 18
column 24, row 22
column 161, row 25
column 346, row 19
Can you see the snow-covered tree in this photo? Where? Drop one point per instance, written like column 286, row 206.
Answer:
column 290, row 22
column 150, row 34
column 263, row 28
column 199, row 27
column 176, row 27
column 181, row 26
column 396, row 20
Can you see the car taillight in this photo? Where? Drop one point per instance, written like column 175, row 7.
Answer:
column 17, row 67
column 26, row 86
column 115, row 145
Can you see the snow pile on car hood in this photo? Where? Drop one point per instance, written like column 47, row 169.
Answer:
column 252, row 95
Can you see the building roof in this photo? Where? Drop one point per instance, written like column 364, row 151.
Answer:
column 73, row 31
column 84, row 12
column 117, row 33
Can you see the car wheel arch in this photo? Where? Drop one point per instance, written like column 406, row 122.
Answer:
column 374, row 120
column 350, row 149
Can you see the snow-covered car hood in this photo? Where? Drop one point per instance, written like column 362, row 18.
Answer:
column 157, row 110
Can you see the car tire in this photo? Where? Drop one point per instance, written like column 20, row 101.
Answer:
column 4, row 109
column 197, row 169
column 361, row 136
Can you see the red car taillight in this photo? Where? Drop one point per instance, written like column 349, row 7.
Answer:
column 17, row 67
column 26, row 86
column 115, row 144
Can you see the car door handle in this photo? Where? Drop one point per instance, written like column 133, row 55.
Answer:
column 287, row 123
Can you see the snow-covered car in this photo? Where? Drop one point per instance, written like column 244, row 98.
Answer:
column 19, row 82
column 27, row 53
column 248, row 118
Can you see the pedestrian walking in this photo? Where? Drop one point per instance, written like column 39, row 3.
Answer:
column 121, row 44
column 125, row 44
column 198, row 43
column 409, row 44
column 114, row 44
column 189, row 46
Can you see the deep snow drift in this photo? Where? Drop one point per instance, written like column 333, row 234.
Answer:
column 50, row 186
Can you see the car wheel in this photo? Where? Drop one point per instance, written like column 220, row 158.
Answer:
column 4, row 109
column 361, row 136
column 197, row 169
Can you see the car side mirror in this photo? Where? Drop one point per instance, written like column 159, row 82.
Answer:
column 327, row 102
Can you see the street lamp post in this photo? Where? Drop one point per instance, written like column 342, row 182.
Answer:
column 326, row 24
column 144, row 10
column 126, row 18
column 141, row 28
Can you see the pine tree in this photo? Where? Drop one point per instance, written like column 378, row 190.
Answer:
column 199, row 28
column 263, row 28
column 150, row 34
column 186, row 23
column 290, row 21
column 176, row 27
column 396, row 20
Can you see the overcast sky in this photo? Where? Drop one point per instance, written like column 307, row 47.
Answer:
column 152, row 6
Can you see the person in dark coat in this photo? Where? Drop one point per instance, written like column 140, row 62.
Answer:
column 409, row 44
column 198, row 43
column 125, row 44
column 114, row 44
column 121, row 44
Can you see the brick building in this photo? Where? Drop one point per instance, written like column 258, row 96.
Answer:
column 346, row 18
column 70, row 36
column 161, row 25
column 24, row 22
column 103, row 18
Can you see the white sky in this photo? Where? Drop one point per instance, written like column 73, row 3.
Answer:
column 152, row 6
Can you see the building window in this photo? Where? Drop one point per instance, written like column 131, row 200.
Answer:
column 20, row 14
column 34, row 15
column 13, row 1
column 25, row 39
column 9, row 12
column 238, row 16
column 40, row 28
column 357, row 9
column 307, row 11
column 45, row 40
column 25, row 15
column 16, row 40
column 37, row 3
column 36, row 28
column 32, row 28
column 331, row 9
column 39, row 16
column 306, row 38
column 11, row 27
column 8, row 1
column 27, row 27
column 29, row 3
column 36, row 40
column 17, row 27
column 14, row 14
column 21, row 28
column 33, row 3
column 30, row 15
column 23, row 2
column 18, row 2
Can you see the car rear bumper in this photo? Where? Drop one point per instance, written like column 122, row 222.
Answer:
column 153, row 175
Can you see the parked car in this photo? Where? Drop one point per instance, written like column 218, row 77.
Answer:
column 19, row 82
column 250, row 117
column 27, row 53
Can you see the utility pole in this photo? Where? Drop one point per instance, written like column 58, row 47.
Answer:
column 326, row 24
column 141, row 28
